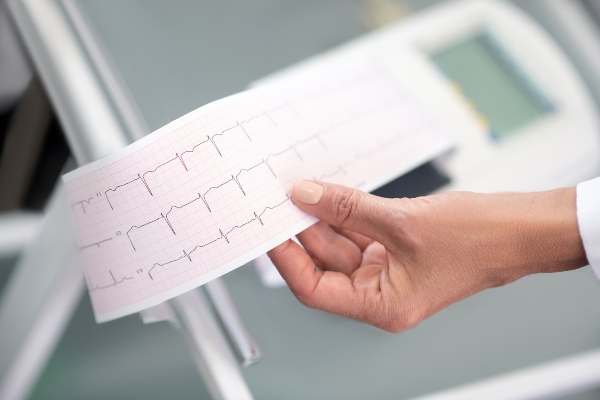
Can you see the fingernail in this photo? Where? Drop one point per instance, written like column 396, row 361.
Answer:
column 308, row 192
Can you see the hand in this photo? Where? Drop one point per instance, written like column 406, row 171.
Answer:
column 394, row 262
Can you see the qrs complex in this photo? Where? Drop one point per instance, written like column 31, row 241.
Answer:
column 257, row 217
column 234, row 178
column 203, row 196
column 178, row 156
column 188, row 254
column 115, row 282
column 211, row 191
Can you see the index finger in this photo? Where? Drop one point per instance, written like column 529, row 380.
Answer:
column 328, row 291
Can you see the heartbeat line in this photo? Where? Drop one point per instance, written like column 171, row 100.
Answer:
column 179, row 156
column 235, row 178
column 117, row 187
column 115, row 282
column 340, row 169
column 266, row 114
column 96, row 244
column 81, row 203
column 223, row 236
column 141, row 226
column 188, row 254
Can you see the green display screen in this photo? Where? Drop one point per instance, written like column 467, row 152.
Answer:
column 492, row 83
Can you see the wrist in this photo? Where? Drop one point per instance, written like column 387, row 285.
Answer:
column 556, row 244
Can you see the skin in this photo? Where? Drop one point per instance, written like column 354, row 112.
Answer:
column 394, row 262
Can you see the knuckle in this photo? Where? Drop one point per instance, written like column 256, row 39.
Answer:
column 407, row 222
column 343, row 204
column 403, row 210
column 403, row 204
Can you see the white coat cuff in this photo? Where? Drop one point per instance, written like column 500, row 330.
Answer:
column 588, row 217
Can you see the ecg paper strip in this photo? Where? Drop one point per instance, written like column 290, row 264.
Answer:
column 211, row 191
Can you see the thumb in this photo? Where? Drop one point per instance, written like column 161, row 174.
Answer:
column 346, row 208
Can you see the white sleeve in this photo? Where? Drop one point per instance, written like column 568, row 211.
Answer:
column 588, row 217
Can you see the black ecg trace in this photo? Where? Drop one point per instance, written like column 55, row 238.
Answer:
column 117, row 187
column 97, row 244
column 81, row 203
column 188, row 254
column 234, row 178
column 179, row 156
column 141, row 226
column 115, row 282
column 240, row 124
column 257, row 217
column 202, row 197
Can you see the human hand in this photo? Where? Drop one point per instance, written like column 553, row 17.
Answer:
column 394, row 262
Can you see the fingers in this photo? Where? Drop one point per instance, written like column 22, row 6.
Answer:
column 296, row 267
column 346, row 208
column 328, row 291
column 330, row 250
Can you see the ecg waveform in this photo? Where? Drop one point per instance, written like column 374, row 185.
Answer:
column 95, row 244
column 209, row 139
column 203, row 196
column 179, row 156
column 257, row 217
column 211, row 191
column 115, row 282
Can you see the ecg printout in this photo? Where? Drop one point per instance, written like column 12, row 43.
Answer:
column 211, row 191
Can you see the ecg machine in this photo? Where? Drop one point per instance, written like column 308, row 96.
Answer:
column 522, row 119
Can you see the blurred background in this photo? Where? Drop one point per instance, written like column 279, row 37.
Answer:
column 152, row 61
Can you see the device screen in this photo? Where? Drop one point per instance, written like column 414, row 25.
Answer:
column 494, row 85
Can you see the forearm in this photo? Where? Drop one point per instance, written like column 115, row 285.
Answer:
column 534, row 232
column 503, row 236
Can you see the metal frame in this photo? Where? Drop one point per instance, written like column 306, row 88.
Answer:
column 136, row 127
column 112, row 81
column 31, row 325
column 17, row 229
